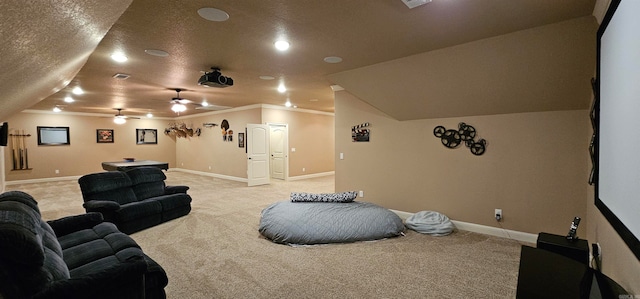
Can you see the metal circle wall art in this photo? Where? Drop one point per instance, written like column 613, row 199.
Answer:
column 464, row 134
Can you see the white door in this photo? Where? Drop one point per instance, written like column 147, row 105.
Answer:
column 278, row 141
column 257, row 154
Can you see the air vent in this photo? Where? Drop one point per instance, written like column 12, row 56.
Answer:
column 121, row 76
column 415, row 3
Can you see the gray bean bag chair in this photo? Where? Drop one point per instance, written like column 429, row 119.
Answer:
column 306, row 223
column 430, row 222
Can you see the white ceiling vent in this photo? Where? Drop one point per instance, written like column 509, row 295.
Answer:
column 415, row 3
column 121, row 76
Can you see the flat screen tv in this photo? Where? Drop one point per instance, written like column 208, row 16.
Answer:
column 617, row 118
column 53, row 136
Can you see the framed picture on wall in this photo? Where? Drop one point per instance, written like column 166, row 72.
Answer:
column 240, row 139
column 104, row 135
column 146, row 136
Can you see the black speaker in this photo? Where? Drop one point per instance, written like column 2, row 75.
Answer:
column 4, row 134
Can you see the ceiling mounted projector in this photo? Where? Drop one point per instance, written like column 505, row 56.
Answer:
column 215, row 79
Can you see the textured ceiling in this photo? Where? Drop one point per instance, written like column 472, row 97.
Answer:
column 40, row 53
column 362, row 32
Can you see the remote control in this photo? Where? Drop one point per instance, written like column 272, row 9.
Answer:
column 572, row 230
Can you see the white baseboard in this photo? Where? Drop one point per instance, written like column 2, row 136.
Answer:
column 43, row 180
column 483, row 229
column 210, row 174
column 310, row 176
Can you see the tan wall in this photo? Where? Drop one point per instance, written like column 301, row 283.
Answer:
column 533, row 168
column 311, row 134
column 208, row 152
column 84, row 155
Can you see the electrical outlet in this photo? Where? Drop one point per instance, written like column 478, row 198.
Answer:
column 498, row 214
column 304, row 169
column 361, row 193
column 57, row 171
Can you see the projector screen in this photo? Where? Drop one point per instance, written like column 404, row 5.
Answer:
column 617, row 146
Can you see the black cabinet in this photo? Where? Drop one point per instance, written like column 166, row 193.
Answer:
column 545, row 274
column 575, row 249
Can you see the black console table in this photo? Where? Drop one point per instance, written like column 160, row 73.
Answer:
column 546, row 274
column 574, row 249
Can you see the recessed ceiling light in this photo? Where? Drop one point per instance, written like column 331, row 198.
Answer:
column 68, row 100
column 205, row 104
column 282, row 88
column 288, row 104
column 56, row 109
column 213, row 14
column 282, row 45
column 156, row 52
column 267, row 77
column 149, row 115
column 332, row 59
column 119, row 57
column 77, row 90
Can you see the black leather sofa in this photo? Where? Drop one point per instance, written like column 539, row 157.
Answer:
column 72, row 257
column 135, row 199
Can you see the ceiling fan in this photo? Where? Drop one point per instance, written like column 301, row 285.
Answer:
column 179, row 104
column 119, row 118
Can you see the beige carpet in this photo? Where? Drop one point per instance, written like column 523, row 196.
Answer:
column 217, row 252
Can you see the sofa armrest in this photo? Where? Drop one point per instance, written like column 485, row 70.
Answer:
column 107, row 208
column 120, row 280
column 101, row 205
column 67, row 225
column 175, row 189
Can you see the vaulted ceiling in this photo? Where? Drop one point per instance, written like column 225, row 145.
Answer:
column 45, row 47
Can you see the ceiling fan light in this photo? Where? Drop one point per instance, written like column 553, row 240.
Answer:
column 119, row 120
column 177, row 107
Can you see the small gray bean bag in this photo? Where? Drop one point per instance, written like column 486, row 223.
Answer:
column 305, row 223
column 430, row 222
